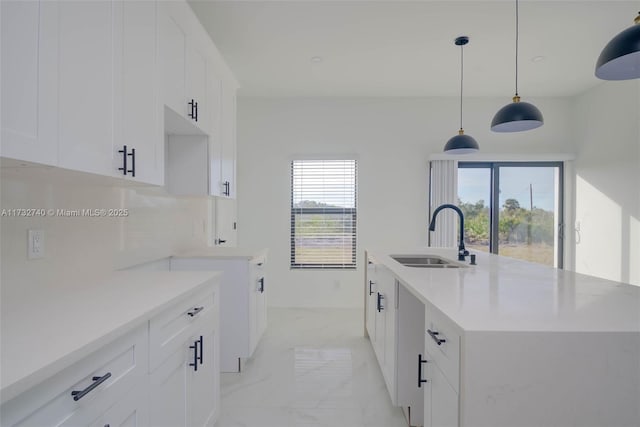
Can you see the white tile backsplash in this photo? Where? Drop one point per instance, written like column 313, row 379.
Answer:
column 79, row 247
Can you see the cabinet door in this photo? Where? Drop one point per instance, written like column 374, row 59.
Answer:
column 226, row 233
column 203, row 384
column 214, row 94
column 132, row 410
column 410, row 341
column 168, row 390
column 444, row 400
column 228, row 138
column 29, row 81
column 371, row 287
column 137, row 121
column 390, row 336
column 440, row 399
column 86, row 95
column 196, row 86
column 173, row 42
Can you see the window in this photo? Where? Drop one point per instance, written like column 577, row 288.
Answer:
column 323, row 214
column 513, row 209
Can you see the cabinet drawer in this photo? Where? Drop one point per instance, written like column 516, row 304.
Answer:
column 443, row 343
column 98, row 381
column 170, row 329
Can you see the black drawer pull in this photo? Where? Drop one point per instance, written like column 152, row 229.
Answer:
column 371, row 282
column 420, row 362
column 77, row 395
column 194, row 311
column 380, row 298
column 434, row 335
column 261, row 281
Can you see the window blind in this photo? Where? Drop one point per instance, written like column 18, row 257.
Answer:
column 323, row 213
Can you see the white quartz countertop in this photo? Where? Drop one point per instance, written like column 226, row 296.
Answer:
column 49, row 330
column 222, row 252
column 505, row 294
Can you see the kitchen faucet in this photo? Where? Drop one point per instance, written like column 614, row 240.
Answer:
column 462, row 252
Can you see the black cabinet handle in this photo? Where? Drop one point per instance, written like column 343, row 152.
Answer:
column 124, row 160
column 380, row 298
column 194, row 110
column 79, row 394
column 434, row 335
column 201, row 341
column 194, row 347
column 132, row 171
column 221, row 241
column 371, row 282
column 194, row 311
column 126, row 154
column 420, row 362
column 261, row 281
column 226, row 190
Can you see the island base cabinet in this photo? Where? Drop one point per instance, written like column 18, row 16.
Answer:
column 550, row 379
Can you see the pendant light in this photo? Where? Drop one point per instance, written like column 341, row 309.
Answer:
column 517, row 116
column 620, row 58
column 461, row 143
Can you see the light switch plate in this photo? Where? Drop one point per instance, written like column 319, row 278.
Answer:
column 35, row 244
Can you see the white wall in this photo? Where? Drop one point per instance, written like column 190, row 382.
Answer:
column 392, row 140
column 607, row 188
column 82, row 248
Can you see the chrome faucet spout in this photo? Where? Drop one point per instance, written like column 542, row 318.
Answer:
column 462, row 252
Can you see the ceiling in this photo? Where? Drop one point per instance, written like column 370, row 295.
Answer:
column 405, row 48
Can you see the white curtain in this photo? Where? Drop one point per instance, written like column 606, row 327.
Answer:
column 443, row 189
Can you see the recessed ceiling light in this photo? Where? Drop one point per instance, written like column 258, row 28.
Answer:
column 316, row 59
column 538, row 58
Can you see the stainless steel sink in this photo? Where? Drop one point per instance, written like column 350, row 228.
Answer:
column 425, row 261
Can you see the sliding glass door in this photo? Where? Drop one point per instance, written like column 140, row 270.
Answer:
column 513, row 209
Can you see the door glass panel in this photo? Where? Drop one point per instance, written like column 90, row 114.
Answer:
column 474, row 195
column 529, row 213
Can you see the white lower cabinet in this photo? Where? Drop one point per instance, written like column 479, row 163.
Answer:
column 441, row 402
column 442, row 370
column 243, row 306
column 80, row 394
column 184, row 350
column 164, row 373
column 384, row 342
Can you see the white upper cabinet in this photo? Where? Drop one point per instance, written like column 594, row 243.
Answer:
column 228, row 141
column 184, row 48
column 86, row 95
column 138, row 112
column 29, row 81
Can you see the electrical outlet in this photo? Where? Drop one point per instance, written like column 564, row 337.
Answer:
column 35, row 244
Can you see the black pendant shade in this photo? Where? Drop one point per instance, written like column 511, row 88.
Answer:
column 517, row 117
column 461, row 144
column 620, row 58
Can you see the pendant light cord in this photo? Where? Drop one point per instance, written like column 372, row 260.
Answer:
column 517, row 37
column 461, row 80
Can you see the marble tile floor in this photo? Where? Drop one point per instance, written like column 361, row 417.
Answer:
column 312, row 368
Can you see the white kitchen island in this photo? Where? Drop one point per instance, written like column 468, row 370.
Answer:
column 506, row 342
